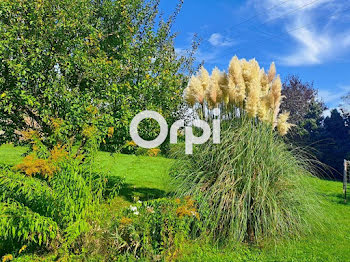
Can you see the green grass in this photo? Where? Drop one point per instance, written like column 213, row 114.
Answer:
column 147, row 177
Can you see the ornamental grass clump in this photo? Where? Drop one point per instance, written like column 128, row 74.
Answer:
column 250, row 187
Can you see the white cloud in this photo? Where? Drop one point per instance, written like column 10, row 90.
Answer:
column 180, row 51
column 218, row 40
column 207, row 56
column 301, row 20
column 333, row 97
column 312, row 48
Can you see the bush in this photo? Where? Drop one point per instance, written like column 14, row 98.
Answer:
column 249, row 186
column 36, row 211
column 19, row 226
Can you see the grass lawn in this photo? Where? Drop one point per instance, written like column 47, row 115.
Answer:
column 147, row 177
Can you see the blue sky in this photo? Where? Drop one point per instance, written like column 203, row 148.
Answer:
column 310, row 38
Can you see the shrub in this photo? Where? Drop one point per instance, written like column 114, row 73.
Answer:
column 249, row 186
column 66, row 203
column 19, row 225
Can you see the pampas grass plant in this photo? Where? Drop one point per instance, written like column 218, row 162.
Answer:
column 250, row 186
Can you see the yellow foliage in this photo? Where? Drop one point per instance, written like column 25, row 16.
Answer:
column 110, row 131
column 6, row 258
column 58, row 154
column 153, row 152
column 56, row 123
column 92, row 109
column 32, row 165
column 23, row 248
column 130, row 143
column 30, row 135
column 188, row 209
column 89, row 131
column 125, row 221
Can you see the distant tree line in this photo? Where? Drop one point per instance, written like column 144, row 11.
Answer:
column 325, row 137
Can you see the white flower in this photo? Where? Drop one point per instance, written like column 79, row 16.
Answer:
column 132, row 208
column 136, row 213
column 140, row 202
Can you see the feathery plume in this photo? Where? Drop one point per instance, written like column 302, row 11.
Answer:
column 214, row 93
column 282, row 125
column 223, row 83
column 272, row 72
column 235, row 75
column 253, row 99
column 264, row 81
column 246, row 70
column 194, row 91
column 204, row 77
column 275, row 97
column 264, row 109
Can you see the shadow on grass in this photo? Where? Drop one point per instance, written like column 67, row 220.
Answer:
column 339, row 199
column 132, row 193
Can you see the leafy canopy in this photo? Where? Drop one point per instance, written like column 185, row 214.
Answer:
column 67, row 60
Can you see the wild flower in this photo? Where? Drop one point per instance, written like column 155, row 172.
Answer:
column 58, row 154
column 32, row 164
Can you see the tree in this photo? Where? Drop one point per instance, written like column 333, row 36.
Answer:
column 334, row 145
column 68, row 60
column 306, row 111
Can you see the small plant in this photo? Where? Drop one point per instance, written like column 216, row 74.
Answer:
column 153, row 229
